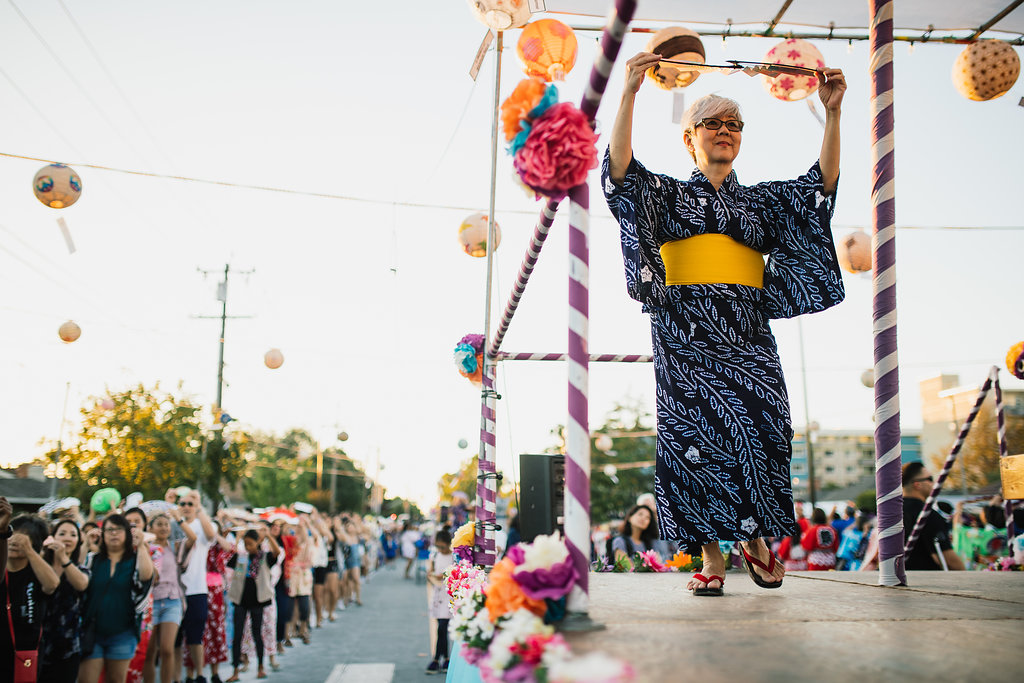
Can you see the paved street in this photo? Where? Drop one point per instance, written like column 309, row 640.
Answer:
column 385, row 640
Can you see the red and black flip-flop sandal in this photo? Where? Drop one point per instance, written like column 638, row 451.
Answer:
column 749, row 561
column 708, row 591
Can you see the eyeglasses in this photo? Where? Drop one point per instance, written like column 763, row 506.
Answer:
column 185, row 503
column 715, row 124
column 115, row 530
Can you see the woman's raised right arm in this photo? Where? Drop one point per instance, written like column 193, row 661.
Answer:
column 621, row 145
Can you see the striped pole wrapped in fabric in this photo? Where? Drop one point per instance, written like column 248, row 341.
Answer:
column 948, row 466
column 577, row 462
column 1011, row 529
column 888, row 462
column 486, row 483
column 593, row 358
column 540, row 233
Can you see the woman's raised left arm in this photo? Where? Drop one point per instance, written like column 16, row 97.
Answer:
column 831, row 88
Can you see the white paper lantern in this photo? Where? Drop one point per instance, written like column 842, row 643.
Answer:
column 57, row 186
column 69, row 331
column 603, row 443
column 273, row 359
column 682, row 44
column 854, row 252
column 610, row 470
column 986, row 70
column 867, row 378
column 501, row 15
column 463, row 444
column 473, row 235
column 795, row 52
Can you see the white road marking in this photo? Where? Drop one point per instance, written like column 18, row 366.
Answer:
column 362, row 673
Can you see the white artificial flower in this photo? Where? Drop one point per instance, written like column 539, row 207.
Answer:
column 512, row 629
column 544, row 553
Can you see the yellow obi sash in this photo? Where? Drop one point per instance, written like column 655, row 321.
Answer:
column 712, row 259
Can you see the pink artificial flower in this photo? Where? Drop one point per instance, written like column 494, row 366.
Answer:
column 472, row 655
column 559, row 151
column 653, row 562
column 554, row 582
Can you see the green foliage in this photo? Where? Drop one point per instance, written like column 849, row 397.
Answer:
column 610, row 500
column 148, row 441
column 401, row 506
column 866, row 500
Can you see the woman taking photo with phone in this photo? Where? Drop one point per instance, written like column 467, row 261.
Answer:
column 61, row 651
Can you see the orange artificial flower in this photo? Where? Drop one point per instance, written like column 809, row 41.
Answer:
column 505, row 596
column 679, row 560
column 515, row 108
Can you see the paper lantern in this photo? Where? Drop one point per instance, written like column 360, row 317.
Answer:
column 854, row 252
column 69, row 331
column 501, row 15
column 985, row 70
column 463, row 444
column 610, row 470
column 473, row 235
column 342, row 436
column 867, row 378
column 679, row 43
column 1015, row 360
column 547, row 48
column 57, row 186
column 603, row 443
column 798, row 53
column 273, row 359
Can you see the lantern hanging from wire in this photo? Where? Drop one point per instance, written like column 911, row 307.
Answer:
column 1015, row 360
column 867, row 378
column 342, row 436
column 473, row 235
column 57, row 186
column 547, row 48
column 796, row 52
column 273, row 359
column 69, row 331
column 501, row 15
column 603, row 443
column 986, row 70
column 675, row 42
column 854, row 252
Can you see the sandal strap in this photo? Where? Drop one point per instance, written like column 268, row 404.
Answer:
column 709, row 579
column 770, row 567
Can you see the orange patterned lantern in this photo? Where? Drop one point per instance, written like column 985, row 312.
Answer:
column 273, row 359
column 1015, row 360
column 985, row 70
column 548, row 49
column 473, row 235
column 501, row 14
column 69, row 331
column 797, row 52
column 677, row 43
column 854, row 252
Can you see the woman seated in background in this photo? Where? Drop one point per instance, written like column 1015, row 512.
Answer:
column 637, row 534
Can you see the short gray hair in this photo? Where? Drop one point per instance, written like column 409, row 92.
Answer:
column 709, row 106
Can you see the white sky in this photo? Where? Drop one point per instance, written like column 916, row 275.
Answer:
column 363, row 101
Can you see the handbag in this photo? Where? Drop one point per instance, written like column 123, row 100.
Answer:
column 26, row 662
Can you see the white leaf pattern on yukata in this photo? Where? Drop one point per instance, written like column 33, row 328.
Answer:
column 818, row 199
column 692, row 454
column 749, row 525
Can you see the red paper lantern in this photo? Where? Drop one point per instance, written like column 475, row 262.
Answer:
column 796, row 52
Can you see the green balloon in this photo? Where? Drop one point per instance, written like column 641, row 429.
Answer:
column 104, row 500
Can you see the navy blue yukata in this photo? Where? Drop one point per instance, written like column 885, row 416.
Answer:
column 724, row 428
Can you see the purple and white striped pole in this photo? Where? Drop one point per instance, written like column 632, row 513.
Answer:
column 540, row 233
column 948, row 466
column 888, row 462
column 486, row 484
column 1004, row 451
column 577, row 462
column 593, row 358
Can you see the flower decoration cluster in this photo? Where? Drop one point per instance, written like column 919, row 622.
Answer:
column 648, row 562
column 553, row 144
column 504, row 620
column 469, row 358
column 463, row 542
column 1005, row 564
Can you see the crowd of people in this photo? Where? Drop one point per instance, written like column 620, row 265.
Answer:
column 162, row 590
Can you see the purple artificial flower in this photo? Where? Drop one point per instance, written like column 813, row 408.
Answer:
column 463, row 552
column 553, row 582
column 516, row 554
column 474, row 340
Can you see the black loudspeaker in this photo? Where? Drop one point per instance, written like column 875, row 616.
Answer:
column 542, row 494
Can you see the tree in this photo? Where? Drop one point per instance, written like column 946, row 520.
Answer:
column 279, row 471
column 400, row 506
column 979, row 455
column 144, row 440
column 633, row 458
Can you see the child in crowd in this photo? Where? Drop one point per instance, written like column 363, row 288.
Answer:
column 440, row 559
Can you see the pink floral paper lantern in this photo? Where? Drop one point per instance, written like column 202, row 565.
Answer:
column 473, row 235
column 796, row 52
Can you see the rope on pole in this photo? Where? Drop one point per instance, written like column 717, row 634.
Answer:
column 486, row 483
column 593, row 358
column 888, row 475
column 1011, row 529
column 540, row 233
column 948, row 466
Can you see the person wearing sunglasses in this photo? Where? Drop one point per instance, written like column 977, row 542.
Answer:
column 695, row 256
column 193, row 577
column 934, row 548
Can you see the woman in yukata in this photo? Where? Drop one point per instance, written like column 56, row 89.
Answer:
column 694, row 256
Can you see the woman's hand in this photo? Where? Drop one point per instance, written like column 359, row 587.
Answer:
column 831, row 88
column 136, row 537
column 60, row 554
column 635, row 69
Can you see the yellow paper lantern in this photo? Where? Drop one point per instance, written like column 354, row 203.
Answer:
column 985, row 70
column 796, row 52
column 1015, row 360
column 678, row 43
column 273, row 359
column 473, row 235
column 547, row 48
column 854, row 252
column 501, row 15
column 57, row 186
column 69, row 331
